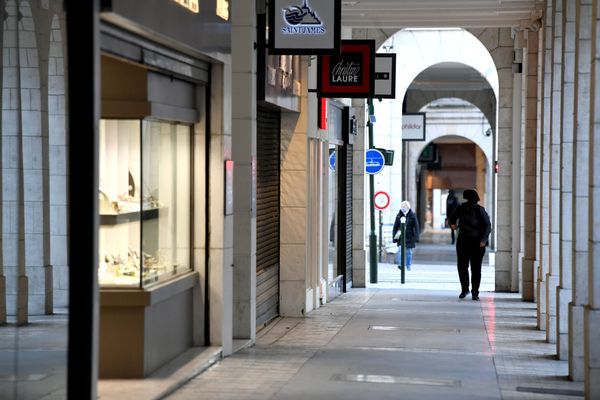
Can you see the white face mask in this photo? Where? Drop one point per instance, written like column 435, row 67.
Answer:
column 404, row 210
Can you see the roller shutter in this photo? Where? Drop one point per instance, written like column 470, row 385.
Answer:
column 344, row 250
column 267, row 215
column 348, row 233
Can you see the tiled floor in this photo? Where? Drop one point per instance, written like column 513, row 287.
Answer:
column 388, row 341
column 396, row 344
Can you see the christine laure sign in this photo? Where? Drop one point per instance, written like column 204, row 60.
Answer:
column 304, row 26
column 350, row 74
column 413, row 126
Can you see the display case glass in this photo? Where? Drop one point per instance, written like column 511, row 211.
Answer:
column 144, row 202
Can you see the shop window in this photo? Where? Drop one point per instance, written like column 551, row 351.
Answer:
column 144, row 201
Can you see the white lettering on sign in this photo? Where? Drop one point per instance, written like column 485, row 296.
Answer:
column 346, row 72
column 191, row 5
column 413, row 126
column 302, row 20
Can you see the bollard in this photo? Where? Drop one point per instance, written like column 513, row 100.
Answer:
column 381, row 250
column 403, row 250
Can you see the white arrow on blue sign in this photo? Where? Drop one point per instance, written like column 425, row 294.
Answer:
column 374, row 161
column 332, row 161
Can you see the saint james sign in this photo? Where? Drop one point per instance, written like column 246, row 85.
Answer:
column 304, row 26
column 350, row 74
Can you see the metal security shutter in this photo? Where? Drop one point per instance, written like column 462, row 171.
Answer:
column 349, row 151
column 267, row 215
column 344, row 250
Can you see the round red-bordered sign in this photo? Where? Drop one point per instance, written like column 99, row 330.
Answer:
column 382, row 200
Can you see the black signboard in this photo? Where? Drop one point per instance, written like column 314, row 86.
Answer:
column 304, row 26
column 350, row 74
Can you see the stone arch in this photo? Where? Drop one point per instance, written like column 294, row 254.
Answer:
column 497, row 50
column 458, row 176
column 476, row 93
column 443, row 46
column 471, row 133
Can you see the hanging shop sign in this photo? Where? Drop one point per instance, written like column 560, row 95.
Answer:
column 304, row 26
column 413, row 126
column 374, row 161
column 349, row 74
column 385, row 76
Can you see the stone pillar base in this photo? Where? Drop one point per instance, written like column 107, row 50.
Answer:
column 528, row 283
column 23, row 301
column 2, row 300
column 563, row 299
column 552, row 282
column 49, row 290
column 359, row 262
column 592, row 353
column 542, row 317
column 576, row 356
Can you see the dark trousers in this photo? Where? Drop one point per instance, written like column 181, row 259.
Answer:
column 452, row 235
column 468, row 251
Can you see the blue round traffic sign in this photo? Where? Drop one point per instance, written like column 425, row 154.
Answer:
column 332, row 161
column 374, row 161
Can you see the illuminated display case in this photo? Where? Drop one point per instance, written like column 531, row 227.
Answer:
column 144, row 202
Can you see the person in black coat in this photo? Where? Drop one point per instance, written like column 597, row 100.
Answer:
column 451, row 205
column 474, row 228
column 412, row 231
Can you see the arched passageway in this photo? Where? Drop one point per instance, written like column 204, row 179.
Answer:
column 450, row 76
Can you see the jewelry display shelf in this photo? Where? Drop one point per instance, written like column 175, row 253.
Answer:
column 129, row 216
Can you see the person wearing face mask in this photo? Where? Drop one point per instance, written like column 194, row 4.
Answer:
column 412, row 231
column 474, row 228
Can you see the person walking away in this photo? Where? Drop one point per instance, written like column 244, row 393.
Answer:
column 411, row 231
column 451, row 205
column 474, row 228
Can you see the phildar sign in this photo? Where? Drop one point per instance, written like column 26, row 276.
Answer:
column 350, row 74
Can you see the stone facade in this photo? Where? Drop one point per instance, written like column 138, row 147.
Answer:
column 34, row 168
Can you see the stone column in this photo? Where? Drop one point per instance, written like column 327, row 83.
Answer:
column 581, row 189
column 517, row 170
column 3, row 100
column 295, row 270
column 359, row 230
column 545, row 165
column 544, row 265
column 530, row 172
column 565, row 288
column 592, row 312
column 553, row 276
column 502, row 52
column 243, row 92
column 538, row 168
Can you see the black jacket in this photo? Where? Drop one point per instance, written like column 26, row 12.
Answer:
column 473, row 221
column 412, row 229
column 451, row 204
